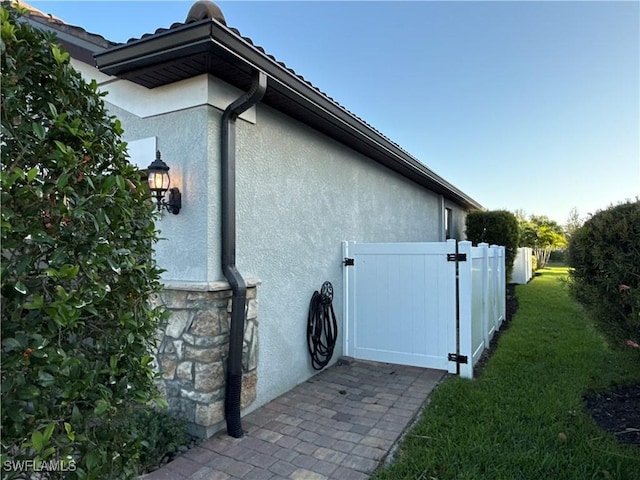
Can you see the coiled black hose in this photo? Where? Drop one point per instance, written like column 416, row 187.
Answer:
column 322, row 327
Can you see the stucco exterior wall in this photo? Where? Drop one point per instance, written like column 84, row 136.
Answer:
column 183, row 139
column 300, row 194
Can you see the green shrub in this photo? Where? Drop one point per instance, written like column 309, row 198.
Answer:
column 498, row 227
column 534, row 263
column 77, row 269
column 162, row 434
column 604, row 257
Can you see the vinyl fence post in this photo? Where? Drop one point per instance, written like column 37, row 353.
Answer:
column 494, row 296
column 453, row 314
column 486, row 320
column 465, row 309
column 346, row 293
column 503, row 284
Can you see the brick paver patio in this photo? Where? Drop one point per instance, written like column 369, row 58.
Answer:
column 339, row 424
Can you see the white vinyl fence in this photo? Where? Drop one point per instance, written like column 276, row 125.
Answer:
column 482, row 300
column 404, row 304
column 522, row 266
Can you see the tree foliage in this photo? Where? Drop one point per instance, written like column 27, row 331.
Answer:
column 543, row 235
column 77, row 267
column 498, row 227
column 604, row 255
column 574, row 222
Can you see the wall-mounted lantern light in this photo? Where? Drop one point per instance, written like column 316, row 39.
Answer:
column 159, row 183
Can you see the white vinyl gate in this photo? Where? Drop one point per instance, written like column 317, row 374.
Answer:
column 403, row 302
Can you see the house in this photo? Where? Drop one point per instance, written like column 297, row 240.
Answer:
column 272, row 181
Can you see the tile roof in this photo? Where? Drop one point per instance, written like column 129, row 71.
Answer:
column 102, row 41
column 60, row 25
column 409, row 165
column 261, row 49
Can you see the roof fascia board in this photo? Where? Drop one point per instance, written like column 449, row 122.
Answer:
column 200, row 36
column 154, row 49
column 389, row 155
column 78, row 47
column 314, row 100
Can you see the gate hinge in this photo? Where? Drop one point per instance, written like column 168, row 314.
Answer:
column 456, row 257
column 349, row 262
column 454, row 357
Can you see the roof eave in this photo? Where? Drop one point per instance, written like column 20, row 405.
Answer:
column 81, row 47
column 210, row 37
column 155, row 49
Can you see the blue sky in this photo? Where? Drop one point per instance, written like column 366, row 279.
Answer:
column 522, row 105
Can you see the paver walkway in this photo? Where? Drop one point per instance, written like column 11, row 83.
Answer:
column 339, row 424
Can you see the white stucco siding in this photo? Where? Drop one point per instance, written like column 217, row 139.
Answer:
column 300, row 194
column 183, row 140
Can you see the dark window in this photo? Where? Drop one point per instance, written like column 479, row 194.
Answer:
column 448, row 223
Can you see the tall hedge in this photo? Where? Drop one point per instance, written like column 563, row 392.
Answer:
column 604, row 256
column 77, row 269
column 497, row 227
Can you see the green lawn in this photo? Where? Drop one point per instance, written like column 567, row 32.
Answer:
column 524, row 417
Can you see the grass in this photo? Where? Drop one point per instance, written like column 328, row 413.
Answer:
column 524, row 417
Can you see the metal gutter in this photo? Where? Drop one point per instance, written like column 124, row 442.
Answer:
column 218, row 40
column 233, row 390
column 154, row 49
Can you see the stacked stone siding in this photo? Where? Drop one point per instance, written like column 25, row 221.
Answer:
column 192, row 354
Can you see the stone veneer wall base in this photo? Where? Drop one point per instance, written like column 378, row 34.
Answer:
column 192, row 353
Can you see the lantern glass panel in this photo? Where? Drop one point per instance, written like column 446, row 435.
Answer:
column 159, row 181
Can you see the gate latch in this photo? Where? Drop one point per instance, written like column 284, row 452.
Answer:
column 349, row 262
column 456, row 257
column 454, row 357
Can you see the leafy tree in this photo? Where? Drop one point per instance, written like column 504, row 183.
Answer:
column 77, row 267
column 520, row 214
column 574, row 222
column 543, row 235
